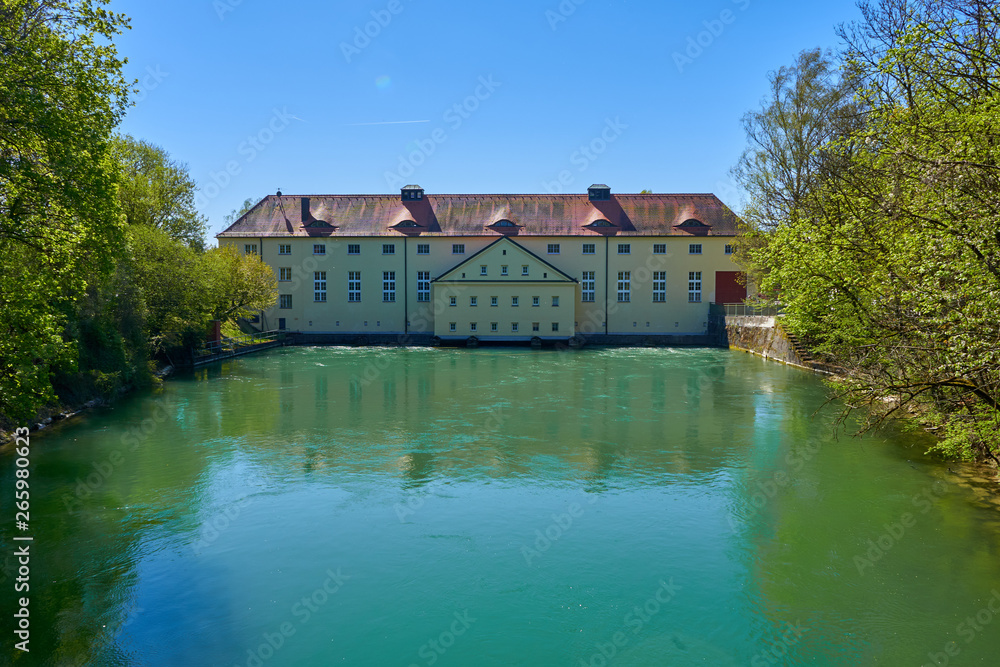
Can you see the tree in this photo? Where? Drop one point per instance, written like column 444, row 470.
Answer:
column 62, row 92
column 158, row 192
column 809, row 105
column 891, row 264
column 238, row 285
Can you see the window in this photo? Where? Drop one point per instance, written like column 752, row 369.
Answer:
column 319, row 286
column 624, row 248
column 285, row 301
column 729, row 249
column 694, row 249
column 319, row 248
column 694, row 287
column 388, row 248
column 482, row 270
column 453, row 301
column 555, row 326
column 513, row 301
column 494, row 327
column 423, row 248
column 588, row 283
column 659, row 248
column 353, row 248
column 388, row 286
column 503, row 270
column 472, row 326
column 423, row 286
column 524, row 270
column 284, row 249
column 250, row 249
column 281, row 323
column 624, row 286
column 285, row 273
column 452, row 326
column 354, row 286
column 659, row 286
column 534, row 301
column 494, row 301
column 555, row 302
column 534, row 326
column 589, row 249
column 513, row 327
column 458, row 249
column 473, row 301
column 553, row 249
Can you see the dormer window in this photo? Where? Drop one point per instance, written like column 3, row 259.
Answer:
column 599, row 192
column 694, row 227
column 407, row 223
column 412, row 193
column 603, row 227
column 504, row 227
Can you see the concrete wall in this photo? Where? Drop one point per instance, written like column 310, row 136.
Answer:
column 764, row 337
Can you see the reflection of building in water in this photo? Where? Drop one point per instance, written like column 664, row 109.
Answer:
column 417, row 468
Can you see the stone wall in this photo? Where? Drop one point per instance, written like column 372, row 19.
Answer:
column 764, row 337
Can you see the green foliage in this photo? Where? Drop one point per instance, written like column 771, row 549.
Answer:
column 62, row 93
column 157, row 191
column 237, row 285
column 101, row 249
column 167, row 273
column 890, row 263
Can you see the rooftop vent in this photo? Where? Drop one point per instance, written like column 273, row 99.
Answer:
column 599, row 192
column 412, row 193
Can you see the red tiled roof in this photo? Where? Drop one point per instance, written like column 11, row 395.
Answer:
column 472, row 215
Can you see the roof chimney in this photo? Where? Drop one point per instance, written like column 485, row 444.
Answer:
column 599, row 192
column 411, row 193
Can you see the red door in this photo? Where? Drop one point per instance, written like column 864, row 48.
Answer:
column 729, row 287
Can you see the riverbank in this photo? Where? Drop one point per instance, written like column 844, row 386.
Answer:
column 65, row 410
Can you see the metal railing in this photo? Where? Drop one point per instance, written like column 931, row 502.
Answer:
column 750, row 310
column 237, row 344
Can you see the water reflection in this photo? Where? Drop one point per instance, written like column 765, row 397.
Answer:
column 181, row 527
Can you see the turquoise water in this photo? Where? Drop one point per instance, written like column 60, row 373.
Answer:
column 328, row 506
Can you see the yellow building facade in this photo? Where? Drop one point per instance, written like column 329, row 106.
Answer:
column 494, row 267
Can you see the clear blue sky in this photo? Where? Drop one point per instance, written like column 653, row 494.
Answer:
column 258, row 95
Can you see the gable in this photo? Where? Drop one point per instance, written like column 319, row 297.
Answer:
column 504, row 252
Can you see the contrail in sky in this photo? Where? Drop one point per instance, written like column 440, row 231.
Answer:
column 390, row 122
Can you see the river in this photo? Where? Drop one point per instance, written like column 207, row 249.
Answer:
column 499, row 506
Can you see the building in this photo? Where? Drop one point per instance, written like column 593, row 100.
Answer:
column 495, row 267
